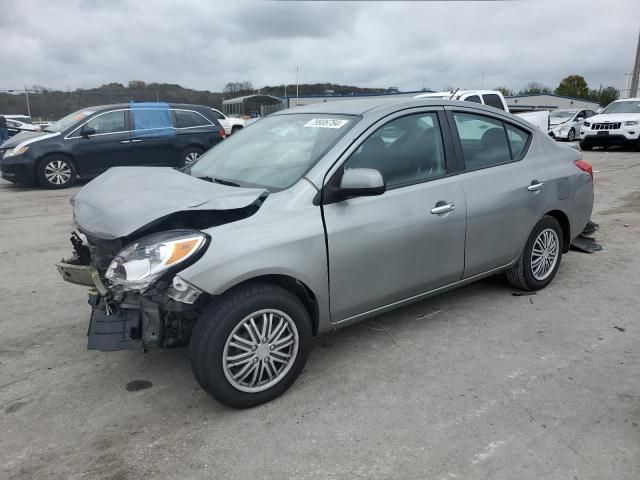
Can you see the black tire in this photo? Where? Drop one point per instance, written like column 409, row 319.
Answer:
column 585, row 146
column 571, row 136
column 235, row 129
column 189, row 155
column 521, row 274
column 217, row 323
column 56, row 171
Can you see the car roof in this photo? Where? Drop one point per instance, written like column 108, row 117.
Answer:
column 101, row 108
column 362, row 106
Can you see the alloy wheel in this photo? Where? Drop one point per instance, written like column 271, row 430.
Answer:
column 191, row 157
column 57, row 172
column 544, row 255
column 571, row 136
column 260, row 350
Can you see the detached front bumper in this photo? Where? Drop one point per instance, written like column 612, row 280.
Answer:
column 133, row 320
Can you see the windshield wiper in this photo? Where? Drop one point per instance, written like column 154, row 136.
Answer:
column 220, row 181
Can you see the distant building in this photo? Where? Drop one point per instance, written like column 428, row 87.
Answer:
column 333, row 97
column 547, row 101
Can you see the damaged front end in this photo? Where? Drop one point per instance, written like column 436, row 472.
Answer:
column 137, row 229
column 137, row 299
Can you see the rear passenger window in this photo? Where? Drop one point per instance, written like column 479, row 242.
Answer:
column 484, row 141
column 406, row 150
column 518, row 139
column 186, row 119
column 473, row 98
column 493, row 100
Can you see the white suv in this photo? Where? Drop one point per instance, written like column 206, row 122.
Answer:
column 618, row 124
column 230, row 124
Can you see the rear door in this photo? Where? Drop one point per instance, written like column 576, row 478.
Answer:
column 106, row 146
column 153, row 136
column 504, row 185
column 388, row 248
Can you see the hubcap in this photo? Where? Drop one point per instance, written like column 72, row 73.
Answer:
column 57, row 172
column 571, row 135
column 260, row 350
column 544, row 255
column 191, row 157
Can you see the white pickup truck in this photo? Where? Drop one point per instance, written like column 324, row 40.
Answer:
column 230, row 124
column 492, row 98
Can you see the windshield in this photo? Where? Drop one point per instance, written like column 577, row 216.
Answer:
column 68, row 121
column 562, row 114
column 623, row 107
column 274, row 152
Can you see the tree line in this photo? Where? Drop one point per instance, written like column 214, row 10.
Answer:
column 571, row 86
column 49, row 104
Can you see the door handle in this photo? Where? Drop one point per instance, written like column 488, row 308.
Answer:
column 440, row 209
column 535, row 186
column 125, row 141
column 136, row 141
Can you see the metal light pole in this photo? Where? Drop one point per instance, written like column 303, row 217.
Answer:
column 297, row 85
column 26, row 96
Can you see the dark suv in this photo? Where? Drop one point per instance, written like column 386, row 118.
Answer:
column 89, row 141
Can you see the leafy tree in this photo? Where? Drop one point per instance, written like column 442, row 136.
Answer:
column 137, row 84
column 605, row 95
column 534, row 88
column 573, row 86
column 507, row 92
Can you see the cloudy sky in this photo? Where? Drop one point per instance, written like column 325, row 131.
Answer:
column 205, row 44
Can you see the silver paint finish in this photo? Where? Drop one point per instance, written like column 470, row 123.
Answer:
column 378, row 252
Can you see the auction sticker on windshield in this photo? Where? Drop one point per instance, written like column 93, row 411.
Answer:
column 326, row 123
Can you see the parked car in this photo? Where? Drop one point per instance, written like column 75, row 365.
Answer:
column 565, row 124
column 89, row 141
column 495, row 99
column 230, row 124
column 618, row 124
column 357, row 208
column 16, row 126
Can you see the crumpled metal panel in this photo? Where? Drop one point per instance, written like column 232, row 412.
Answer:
column 124, row 199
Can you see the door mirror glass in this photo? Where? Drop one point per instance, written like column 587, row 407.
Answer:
column 86, row 131
column 361, row 182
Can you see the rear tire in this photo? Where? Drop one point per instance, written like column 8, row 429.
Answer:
column 189, row 155
column 56, row 171
column 235, row 129
column 223, row 358
column 585, row 146
column 540, row 258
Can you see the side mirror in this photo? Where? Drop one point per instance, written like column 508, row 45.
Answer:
column 361, row 182
column 86, row 131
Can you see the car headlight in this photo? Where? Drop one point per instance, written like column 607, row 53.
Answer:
column 630, row 123
column 140, row 264
column 15, row 151
column 586, row 124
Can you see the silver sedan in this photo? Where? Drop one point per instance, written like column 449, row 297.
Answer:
column 312, row 219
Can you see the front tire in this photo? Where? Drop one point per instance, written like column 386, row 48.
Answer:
column 585, row 146
column 571, row 136
column 56, row 171
column 249, row 346
column 540, row 258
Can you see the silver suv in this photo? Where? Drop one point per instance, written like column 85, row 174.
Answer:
column 314, row 218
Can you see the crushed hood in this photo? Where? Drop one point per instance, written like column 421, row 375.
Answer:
column 124, row 199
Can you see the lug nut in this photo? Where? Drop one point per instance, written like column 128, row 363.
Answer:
column 272, row 347
column 255, row 359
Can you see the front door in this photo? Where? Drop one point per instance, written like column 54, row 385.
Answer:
column 102, row 142
column 505, row 188
column 409, row 240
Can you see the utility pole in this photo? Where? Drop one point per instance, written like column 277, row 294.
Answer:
column 482, row 82
column 26, row 96
column 297, row 85
column 636, row 71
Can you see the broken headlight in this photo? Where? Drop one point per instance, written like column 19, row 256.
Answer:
column 140, row 264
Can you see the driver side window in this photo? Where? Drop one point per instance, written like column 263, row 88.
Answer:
column 406, row 150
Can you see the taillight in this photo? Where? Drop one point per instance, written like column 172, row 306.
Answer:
column 222, row 133
column 584, row 166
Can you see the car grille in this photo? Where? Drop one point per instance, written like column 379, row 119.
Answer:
column 605, row 126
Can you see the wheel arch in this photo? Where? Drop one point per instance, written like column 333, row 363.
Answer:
column 563, row 220
column 298, row 288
